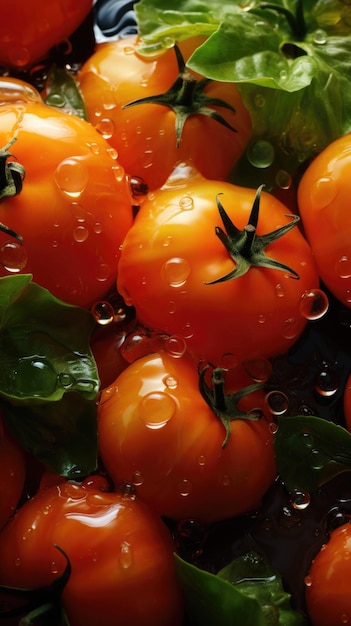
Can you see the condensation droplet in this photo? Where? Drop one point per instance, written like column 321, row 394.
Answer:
column 184, row 487
column 80, row 234
column 201, row 460
column 277, row 402
column 78, row 212
column 65, row 380
column 103, row 272
column 343, row 267
column 34, row 376
column 137, row 478
column 13, row 256
column 228, row 361
column 186, row 203
column 308, row 580
column 156, row 408
column 320, row 37
column 261, row 319
column 261, row 154
column 258, row 369
column 314, row 304
column 105, row 127
column 327, row 382
column 323, row 192
column 175, row 346
column 283, row 179
column 300, row 500
column 259, row 100
column 175, row 271
column 118, row 172
column 72, row 177
column 344, row 618
column 307, row 440
column 55, row 100
column 226, row 480
column 103, row 312
column 318, row 459
column 279, row 290
column 290, row 328
column 126, row 555
column 170, row 382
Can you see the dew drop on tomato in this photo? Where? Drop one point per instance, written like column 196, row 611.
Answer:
column 259, row 369
column 323, row 192
column 327, row 382
column 279, row 290
column 105, row 127
column 343, row 267
column 156, row 409
column 277, row 402
column 185, row 487
column 71, row 176
column 175, row 346
column 300, row 500
column 126, row 555
column 103, row 312
column 314, row 304
column 80, row 234
column 186, row 203
column 13, row 256
column 290, row 328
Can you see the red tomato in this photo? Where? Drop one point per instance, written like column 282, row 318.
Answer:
column 174, row 251
column 75, row 206
column 328, row 596
column 157, row 432
column 324, row 200
column 12, row 474
column 120, row 553
column 29, row 29
column 144, row 135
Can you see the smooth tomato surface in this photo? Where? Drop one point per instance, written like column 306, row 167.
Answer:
column 328, row 582
column 12, row 474
column 172, row 251
column 121, row 556
column 74, row 208
column 144, row 135
column 157, row 432
column 29, row 29
column 324, row 201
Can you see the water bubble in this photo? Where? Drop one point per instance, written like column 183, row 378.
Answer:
column 259, row 369
column 277, row 402
column 343, row 267
column 320, row 37
column 327, row 382
column 137, row 478
column 261, row 154
column 184, row 487
column 300, row 500
column 103, row 312
column 314, row 304
column 175, row 346
column 126, row 555
column 72, row 177
column 105, row 127
column 80, row 234
column 175, row 271
column 13, row 256
column 186, row 203
column 156, row 409
column 323, row 192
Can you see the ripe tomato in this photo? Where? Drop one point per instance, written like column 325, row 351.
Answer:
column 328, row 581
column 157, row 432
column 75, row 206
column 12, row 474
column 172, row 254
column 323, row 199
column 144, row 135
column 29, row 29
column 120, row 553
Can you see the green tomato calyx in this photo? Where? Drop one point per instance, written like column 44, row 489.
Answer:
column 186, row 97
column 11, row 173
column 245, row 247
column 226, row 406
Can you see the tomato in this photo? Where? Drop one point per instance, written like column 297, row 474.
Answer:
column 29, row 29
column 12, row 474
column 327, row 584
column 121, row 556
column 172, row 254
column 157, row 431
column 144, row 135
column 75, row 206
column 323, row 199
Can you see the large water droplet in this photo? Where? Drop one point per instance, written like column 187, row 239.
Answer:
column 13, row 256
column 175, row 271
column 300, row 500
column 34, row 376
column 175, row 346
column 103, row 312
column 343, row 267
column 277, row 402
column 156, row 409
column 314, row 304
column 261, row 154
column 323, row 192
column 72, row 177
column 327, row 382
column 185, row 487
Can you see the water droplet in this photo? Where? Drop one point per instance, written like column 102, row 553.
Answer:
column 228, row 361
column 261, row 154
column 343, row 267
column 327, row 382
column 201, row 460
column 175, row 346
column 261, row 319
column 78, row 212
column 170, row 382
column 103, row 312
column 277, row 402
column 65, row 380
column 13, row 256
column 184, row 487
column 314, row 304
column 33, row 376
column 344, row 618
column 323, row 192
column 19, row 56
column 300, row 500
column 118, row 172
column 273, row 427
column 175, row 271
column 137, row 478
column 290, row 328
column 308, row 580
column 71, row 176
column 226, row 480
column 80, row 234
column 126, row 555
column 103, row 272
column 259, row 100
column 105, row 127
column 320, row 37
column 279, row 290
column 53, row 567
column 283, row 179
column 156, row 408
column 186, row 203
column 283, row 74
column 318, row 459
column 258, row 369
column 55, row 100
column 307, row 440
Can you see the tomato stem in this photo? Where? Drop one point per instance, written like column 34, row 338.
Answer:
column 296, row 22
column 11, row 173
column 186, row 97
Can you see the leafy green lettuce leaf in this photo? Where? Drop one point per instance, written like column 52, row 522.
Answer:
column 246, row 592
column 295, row 84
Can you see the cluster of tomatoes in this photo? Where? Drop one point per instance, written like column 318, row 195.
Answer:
column 196, row 285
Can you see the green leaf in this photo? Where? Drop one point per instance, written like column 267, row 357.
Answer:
column 44, row 344
column 62, row 434
column 62, row 92
column 246, row 592
column 310, row 451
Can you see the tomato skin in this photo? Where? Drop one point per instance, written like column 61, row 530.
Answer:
column 328, row 581
column 118, row 549
column 75, row 205
column 29, row 29
column 170, row 252
column 157, row 431
column 12, row 474
column 323, row 200
column 144, row 135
